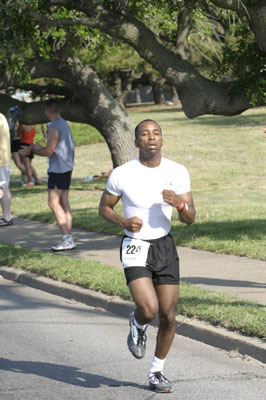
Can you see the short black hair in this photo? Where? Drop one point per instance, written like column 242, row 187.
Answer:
column 53, row 106
column 145, row 120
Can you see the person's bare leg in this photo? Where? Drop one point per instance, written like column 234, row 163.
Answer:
column 27, row 165
column 54, row 202
column 145, row 298
column 34, row 174
column 18, row 162
column 168, row 298
column 64, row 201
column 6, row 204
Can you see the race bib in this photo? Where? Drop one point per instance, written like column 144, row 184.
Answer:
column 134, row 252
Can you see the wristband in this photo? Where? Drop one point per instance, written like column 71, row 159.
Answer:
column 182, row 205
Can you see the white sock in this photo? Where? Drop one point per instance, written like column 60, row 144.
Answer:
column 156, row 365
column 64, row 237
column 138, row 325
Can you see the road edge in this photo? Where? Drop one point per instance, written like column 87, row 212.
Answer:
column 191, row 328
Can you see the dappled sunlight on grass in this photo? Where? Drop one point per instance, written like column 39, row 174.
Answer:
column 225, row 157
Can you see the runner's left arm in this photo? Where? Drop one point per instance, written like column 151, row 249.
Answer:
column 183, row 203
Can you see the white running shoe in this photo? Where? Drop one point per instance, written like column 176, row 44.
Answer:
column 159, row 383
column 67, row 244
column 136, row 339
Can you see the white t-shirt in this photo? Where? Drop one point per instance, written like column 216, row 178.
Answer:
column 141, row 188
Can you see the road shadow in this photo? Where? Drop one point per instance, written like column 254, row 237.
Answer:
column 63, row 373
column 223, row 282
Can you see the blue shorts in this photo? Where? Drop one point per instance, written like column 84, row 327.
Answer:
column 162, row 264
column 59, row 181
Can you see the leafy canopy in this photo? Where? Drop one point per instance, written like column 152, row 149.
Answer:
column 221, row 45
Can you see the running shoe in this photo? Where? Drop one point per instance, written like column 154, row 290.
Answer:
column 136, row 339
column 29, row 184
column 67, row 244
column 4, row 222
column 159, row 383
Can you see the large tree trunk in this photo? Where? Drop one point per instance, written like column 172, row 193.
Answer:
column 157, row 85
column 88, row 102
column 175, row 98
column 118, row 93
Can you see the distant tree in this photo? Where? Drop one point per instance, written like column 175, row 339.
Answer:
column 211, row 52
column 50, row 63
column 131, row 22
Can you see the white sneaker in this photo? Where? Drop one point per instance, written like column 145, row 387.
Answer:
column 159, row 383
column 136, row 339
column 67, row 244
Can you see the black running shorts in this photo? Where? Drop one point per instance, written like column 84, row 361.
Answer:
column 59, row 181
column 15, row 145
column 162, row 264
column 22, row 145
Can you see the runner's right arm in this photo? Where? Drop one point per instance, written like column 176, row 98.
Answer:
column 106, row 210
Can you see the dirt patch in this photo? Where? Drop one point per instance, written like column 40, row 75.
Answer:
column 88, row 192
column 153, row 107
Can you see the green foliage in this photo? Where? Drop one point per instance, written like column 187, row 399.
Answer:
column 220, row 44
column 119, row 57
column 246, row 63
column 15, row 33
column 159, row 16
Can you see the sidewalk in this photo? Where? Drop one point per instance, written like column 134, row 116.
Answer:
column 237, row 276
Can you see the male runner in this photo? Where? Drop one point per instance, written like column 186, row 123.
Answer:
column 150, row 187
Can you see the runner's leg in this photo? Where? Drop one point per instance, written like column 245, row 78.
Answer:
column 145, row 297
column 168, row 298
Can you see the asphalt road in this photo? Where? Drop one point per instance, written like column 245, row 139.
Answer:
column 57, row 349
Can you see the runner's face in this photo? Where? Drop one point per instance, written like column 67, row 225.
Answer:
column 149, row 139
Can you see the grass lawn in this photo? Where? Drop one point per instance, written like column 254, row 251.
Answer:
column 230, row 312
column 225, row 157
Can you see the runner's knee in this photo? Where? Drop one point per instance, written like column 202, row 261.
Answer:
column 167, row 319
column 149, row 311
column 52, row 203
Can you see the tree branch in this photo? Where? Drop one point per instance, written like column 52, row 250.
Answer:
column 183, row 32
column 198, row 95
column 239, row 6
column 254, row 11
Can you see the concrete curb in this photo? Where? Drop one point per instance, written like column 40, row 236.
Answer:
column 194, row 329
